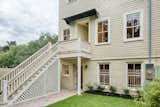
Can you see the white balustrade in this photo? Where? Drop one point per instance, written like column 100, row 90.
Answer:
column 20, row 74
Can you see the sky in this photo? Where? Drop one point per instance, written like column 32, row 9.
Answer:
column 23, row 20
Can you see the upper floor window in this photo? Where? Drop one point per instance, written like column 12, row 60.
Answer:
column 133, row 26
column 103, row 32
column 71, row 1
column 66, row 34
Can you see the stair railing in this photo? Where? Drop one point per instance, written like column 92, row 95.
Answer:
column 23, row 67
column 15, row 83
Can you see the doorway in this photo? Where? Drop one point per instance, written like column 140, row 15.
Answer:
column 82, row 77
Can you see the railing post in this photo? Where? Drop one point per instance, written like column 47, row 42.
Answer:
column 4, row 93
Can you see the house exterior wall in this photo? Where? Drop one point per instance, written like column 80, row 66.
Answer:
column 118, row 52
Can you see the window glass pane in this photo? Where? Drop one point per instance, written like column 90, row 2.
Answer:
column 130, row 66
column 101, row 66
column 105, row 37
column 99, row 37
column 130, row 20
column 105, row 26
column 100, row 27
column 137, row 31
column 107, row 67
column 129, row 32
column 136, row 19
column 137, row 66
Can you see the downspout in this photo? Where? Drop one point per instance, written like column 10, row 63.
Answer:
column 149, row 31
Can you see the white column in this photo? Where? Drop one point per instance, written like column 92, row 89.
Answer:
column 59, row 74
column 79, row 76
column 4, row 93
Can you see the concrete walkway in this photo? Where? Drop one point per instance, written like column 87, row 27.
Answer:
column 45, row 101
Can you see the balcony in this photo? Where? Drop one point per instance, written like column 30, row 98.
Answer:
column 73, row 48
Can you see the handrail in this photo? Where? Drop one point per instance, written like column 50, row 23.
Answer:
column 23, row 76
column 15, row 71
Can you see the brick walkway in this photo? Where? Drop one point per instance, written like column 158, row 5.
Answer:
column 43, row 102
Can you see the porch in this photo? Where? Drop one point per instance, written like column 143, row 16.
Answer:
column 72, row 73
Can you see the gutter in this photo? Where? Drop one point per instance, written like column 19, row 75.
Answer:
column 149, row 6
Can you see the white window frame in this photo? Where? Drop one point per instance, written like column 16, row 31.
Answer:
column 125, row 39
column 96, row 25
column 69, row 34
column 99, row 73
column 66, row 75
column 141, row 85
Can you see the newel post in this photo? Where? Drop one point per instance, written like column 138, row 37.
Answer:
column 4, row 91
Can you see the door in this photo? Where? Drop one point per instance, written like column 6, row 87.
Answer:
column 81, row 77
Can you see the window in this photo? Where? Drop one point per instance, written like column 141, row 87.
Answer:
column 66, row 34
column 133, row 26
column 71, row 1
column 104, row 74
column 103, row 32
column 134, row 75
column 66, row 70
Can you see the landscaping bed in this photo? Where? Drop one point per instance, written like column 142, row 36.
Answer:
column 95, row 92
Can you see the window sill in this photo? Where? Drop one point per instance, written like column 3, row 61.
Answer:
column 133, row 40
column 100, row 44
column 134, row 89
column 65, row 75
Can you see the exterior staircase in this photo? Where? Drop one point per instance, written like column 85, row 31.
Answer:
column 17, row 85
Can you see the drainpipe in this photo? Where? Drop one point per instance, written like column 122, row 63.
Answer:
column 149, row 31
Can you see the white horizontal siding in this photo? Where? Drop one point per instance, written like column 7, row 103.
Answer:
column 115, row 9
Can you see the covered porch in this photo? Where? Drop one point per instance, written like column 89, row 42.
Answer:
column 72, row 73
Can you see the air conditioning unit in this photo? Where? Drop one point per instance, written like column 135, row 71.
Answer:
column 150, row 74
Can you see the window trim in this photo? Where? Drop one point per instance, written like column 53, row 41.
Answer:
column 99, row 73
column 96, row 37
column 141, row 85
column 125, row 39
column 66, row 75
column 69, row 34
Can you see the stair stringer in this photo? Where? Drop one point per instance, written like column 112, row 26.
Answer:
column 46, row 82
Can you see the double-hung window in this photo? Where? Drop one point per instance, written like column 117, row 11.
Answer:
column 104, row 74
column 134, row 75
column 133, row 29
column 103, row 32
column 65, row 70
column 66, row 34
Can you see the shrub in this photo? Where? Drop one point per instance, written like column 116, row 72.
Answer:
column 90, row 88
column 101, row 88
column 112, row 89
column 126, row 91
column 151, row 94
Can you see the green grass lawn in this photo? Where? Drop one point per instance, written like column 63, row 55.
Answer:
column 89, row 100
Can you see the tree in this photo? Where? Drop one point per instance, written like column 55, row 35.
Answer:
column 14, row 54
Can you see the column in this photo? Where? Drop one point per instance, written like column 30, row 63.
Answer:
column 79, row 76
